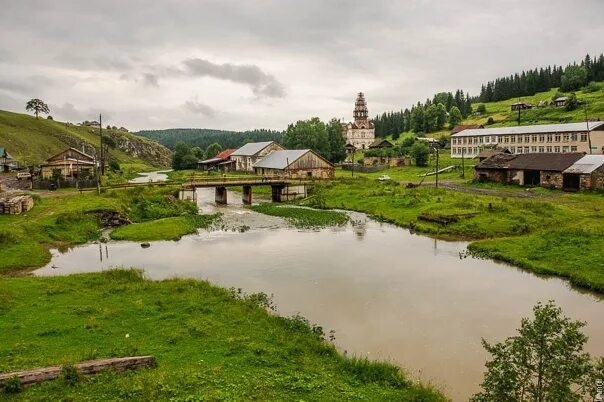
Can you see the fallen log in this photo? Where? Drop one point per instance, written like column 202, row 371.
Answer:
column 36, row 376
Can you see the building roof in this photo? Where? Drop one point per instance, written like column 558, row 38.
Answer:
column 221, row 156
column 226, row 153
column 561, row 99
column 251, row 148
column 586, row 164
column 280, row 159
column 381, row 143
column 72, row 149
column 487, row 153
column 460, row 127
column 535, row 129
column 556, row 162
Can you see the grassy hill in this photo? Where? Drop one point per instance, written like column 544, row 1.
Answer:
column 32, row 141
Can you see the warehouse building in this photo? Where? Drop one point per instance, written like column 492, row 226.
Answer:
column 295, row 163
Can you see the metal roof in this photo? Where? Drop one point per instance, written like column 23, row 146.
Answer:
column 251, row 148
column 280, row 159
column 586, row 164
column 536, row 129
column 556, row 162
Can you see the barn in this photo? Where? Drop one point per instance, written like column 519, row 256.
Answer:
column 295, row 163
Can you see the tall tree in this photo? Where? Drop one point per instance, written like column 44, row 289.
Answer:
column 308, row 134
column 455, row 117
column 574, row 77
column 337, row 152
column 37, row 106
column 213, row 150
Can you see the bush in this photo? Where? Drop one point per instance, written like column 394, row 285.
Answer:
column 490, row 121
column 114, row 166
column 420, row 152
column 49, row 117
column 374, row 372
column 592, row 87
column 70, row 374
column 482, row 109
column 13, row 385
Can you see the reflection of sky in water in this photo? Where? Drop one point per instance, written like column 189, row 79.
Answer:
column 385, row 292
column 151, row 177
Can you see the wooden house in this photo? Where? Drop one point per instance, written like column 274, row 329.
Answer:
column 296, row 163
column 521, row 106
column 381, row 143
column 69, row 164
column 252, row 152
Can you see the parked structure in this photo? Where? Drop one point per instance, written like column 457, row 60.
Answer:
column 544, row 138
column 5, row 160
column 526, row 169
column 359, row 134
column 69, row 164
column 252, row 152
column 222, row 162
column 296, row 163
column 585, row 174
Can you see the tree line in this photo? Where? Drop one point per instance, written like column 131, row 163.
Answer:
column 445, row 109
column 202, row 137
column 528, row 83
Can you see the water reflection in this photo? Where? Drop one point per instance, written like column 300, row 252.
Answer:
column 386, row 293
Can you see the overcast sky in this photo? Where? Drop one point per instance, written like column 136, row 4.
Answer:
column 262, row 64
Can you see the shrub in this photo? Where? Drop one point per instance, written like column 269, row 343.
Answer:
column 114, row 166
column 420, row 152
column 13, row 385
column 490, row 121
column 592, row 87
column 482, row 109
column 377, row 372
column 70, row 374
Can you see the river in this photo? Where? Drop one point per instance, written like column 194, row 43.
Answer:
column 151, row 177
column 387, row 293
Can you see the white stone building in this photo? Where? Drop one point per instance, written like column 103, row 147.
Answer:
column 360, row 133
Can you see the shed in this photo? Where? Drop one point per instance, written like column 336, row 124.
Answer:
column 381, row 143
column 561, row 101
column 217, row 162
column 521, row 106
column 586, row 173
column 300, row 163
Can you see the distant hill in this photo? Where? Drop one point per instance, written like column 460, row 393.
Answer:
column 202, row 137
column 32, row 141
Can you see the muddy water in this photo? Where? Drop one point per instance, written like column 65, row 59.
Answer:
column 387, row 293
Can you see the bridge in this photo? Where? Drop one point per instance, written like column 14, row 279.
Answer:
column 277, row 186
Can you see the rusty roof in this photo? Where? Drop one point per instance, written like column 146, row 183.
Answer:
column 556, row 162
column 461, row 127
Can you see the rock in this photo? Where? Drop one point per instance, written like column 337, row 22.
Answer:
column 112, row 219
column 145, row 245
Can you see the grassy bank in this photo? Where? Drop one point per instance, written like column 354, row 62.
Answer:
column 210, row 344
column 555, row 233
column 303, row 217
column 163, row 229
column 70, row 218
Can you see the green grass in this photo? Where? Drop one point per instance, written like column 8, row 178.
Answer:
column 556, row 233
column 210, row 344
column 303, row 217
column 32, row 141
column 163, row 229
column 70, row 218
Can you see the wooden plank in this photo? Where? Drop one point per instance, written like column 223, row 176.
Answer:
column 36, row 376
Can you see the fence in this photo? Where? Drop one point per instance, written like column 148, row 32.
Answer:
column 55, row 184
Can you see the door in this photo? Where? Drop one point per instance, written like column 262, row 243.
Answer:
column 532, row 178
column 571, row 182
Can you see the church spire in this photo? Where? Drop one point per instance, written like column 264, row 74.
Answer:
column 360, row 112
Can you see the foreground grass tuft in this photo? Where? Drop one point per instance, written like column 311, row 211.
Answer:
column 210, row 344
column 163, row 229
column 303, row 217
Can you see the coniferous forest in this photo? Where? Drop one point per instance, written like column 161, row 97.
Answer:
column 446, row 109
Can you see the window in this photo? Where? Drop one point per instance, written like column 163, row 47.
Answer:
column 549, row 149
column 526, row 150
column 573, row 148
column 519, row 150
column 583, row 137
column 573, row 137
column 550, row 138
column 557, row 138
column 541, row 149
column 564, row 149
column 513, row 149
column 565, row 137
column 480, row 140
column 542, row 138
column 527, row 138
column 506, row 139
column 556, row 149
column 513, row 139
column 487, row 139
column 534, row 138
column 533, row 149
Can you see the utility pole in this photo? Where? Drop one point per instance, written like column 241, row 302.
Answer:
column 436, row 149
column 588, row 133
column 102, row 153
column 519, row 108
column 463, row 167
column 352, row 170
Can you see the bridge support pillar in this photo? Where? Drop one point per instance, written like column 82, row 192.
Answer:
column 276, row 192
column 247, row 195
column 221, row 195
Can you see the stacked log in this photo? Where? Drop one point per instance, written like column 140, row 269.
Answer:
column 16, row 205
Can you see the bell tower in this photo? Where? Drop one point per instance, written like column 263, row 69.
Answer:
column 360, row 113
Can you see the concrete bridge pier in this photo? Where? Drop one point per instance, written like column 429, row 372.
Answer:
column 276, row 192
column 247, row 195
column 221, row 195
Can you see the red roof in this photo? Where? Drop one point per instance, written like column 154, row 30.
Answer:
column 225, row 154
column 462, row 127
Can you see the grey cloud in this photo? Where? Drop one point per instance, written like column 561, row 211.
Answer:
column 196, row 107
column 150, row 80
column 261, row 83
